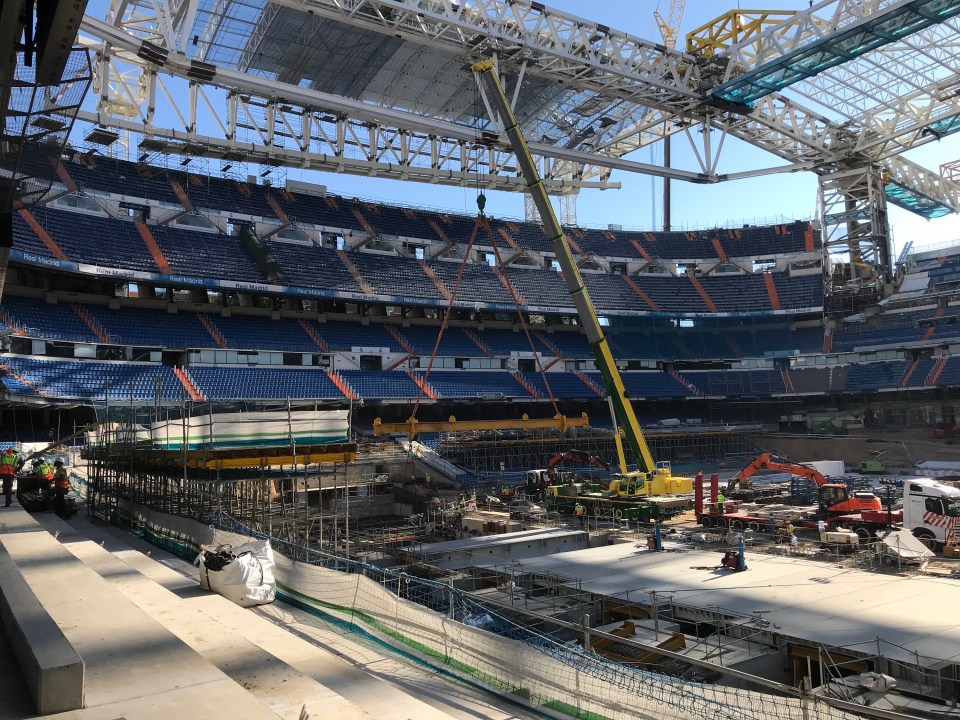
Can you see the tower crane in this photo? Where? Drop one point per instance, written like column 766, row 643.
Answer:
column 670, row 28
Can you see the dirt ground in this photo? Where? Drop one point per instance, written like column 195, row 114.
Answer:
column 901, row 449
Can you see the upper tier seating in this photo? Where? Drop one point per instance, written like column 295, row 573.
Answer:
column 86, row 238
column 479, row 284
column 203, row 254
column 230, row 196
column 196, row 253
column 396, row 276
column 124, row 178
column 312, row 266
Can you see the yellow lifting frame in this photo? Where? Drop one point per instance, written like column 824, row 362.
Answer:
column 733, row 28
column 412, row 427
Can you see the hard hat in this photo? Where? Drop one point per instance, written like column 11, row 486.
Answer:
column 59, row 463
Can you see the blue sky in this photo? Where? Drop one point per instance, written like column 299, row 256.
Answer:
column 638, row 202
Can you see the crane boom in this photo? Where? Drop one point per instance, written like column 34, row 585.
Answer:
column 612, row 381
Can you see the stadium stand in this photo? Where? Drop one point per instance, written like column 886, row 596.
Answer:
column 238, row 383
column 94, row 381
column 732, row 315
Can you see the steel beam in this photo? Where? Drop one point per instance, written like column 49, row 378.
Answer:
column 412, row 427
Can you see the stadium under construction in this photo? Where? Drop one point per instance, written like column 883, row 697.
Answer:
column 502, row 467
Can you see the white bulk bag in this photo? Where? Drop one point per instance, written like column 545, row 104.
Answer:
column 242, row 574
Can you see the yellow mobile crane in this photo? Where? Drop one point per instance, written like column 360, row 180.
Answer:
column 651, row 478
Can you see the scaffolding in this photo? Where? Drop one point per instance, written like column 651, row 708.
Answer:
column 500, row 456
column 339, row 498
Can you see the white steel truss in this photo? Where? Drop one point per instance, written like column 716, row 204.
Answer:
column 619, row 93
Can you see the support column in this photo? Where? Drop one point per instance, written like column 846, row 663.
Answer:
column 856, row 229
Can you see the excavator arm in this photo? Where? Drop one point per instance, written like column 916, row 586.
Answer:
column 612, row 381
column 834, row 498
column 575, row 456
column 766, row 461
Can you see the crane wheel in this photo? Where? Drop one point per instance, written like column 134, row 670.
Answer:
column 755, row 526
column 618, row 514
column 706, row 521
column 597, row 511
column 736, row 525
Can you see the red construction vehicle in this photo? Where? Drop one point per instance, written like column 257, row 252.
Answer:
column 946, row 431
column 834, row 498
column 863, row 512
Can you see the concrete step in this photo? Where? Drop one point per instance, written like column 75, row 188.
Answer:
column 135, row 668
column 211, row 625
column 355, row 677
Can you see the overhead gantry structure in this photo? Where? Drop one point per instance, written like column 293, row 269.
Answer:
column 382, row 88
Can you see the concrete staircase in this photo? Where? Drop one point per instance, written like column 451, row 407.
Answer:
column 271, row 662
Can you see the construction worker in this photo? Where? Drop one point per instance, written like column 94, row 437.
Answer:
column 43, row 475
column 10, row 463
column 61, row 484
column 43, row 469
column 721, row 498
column 580, row 511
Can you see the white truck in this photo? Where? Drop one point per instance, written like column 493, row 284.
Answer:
column 930, row 510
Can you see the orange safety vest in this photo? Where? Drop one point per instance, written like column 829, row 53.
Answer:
column 60, row 479
column 8, row 463
column 46, row 474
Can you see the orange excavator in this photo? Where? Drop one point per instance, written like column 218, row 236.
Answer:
column 834, row 499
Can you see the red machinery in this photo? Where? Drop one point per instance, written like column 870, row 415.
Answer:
column 834, row 498
column 578, row 456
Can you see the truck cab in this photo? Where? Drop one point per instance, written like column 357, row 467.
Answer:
column 930, row 510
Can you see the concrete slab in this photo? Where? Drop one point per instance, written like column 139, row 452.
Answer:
column 819, row 601
column 134, row 667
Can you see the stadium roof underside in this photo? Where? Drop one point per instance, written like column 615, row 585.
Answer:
column 383, row 88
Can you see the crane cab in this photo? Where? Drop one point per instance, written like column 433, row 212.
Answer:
column 661, row 481
column 836, row 500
